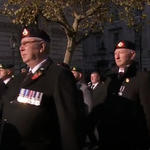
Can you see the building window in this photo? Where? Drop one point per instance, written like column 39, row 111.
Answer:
column 116, row 14
column 115, row 37
column 98, row 42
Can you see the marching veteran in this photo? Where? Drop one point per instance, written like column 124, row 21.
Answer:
column 41, row 111
column 124, row 106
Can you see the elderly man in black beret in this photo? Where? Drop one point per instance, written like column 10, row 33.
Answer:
column 41, row 110
column 123, row 113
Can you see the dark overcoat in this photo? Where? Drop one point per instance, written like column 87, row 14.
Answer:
column 3, row 87
column 49, row 121
column 123, row 111
column 96, row 93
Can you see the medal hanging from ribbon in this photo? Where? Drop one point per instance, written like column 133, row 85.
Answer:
column 121, row 90
column 27, row 96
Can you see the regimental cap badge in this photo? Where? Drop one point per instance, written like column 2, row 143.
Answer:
column 6, row 66
column 121, row 44
column 76, row 69
column 125, row 44
column 35, row 32
column 25, row 33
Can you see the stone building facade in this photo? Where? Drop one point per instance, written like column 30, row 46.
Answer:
column 98, row 49
column 94, row 53
column 10, row 41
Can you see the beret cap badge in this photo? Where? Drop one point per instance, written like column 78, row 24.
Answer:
column 6, row 66
column 35, row 32
column 25, row 33
column 74, row 69
column 125, row 44
column 121, row 44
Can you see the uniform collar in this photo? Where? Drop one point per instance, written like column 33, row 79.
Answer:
column 7, row 80
column 37, row 66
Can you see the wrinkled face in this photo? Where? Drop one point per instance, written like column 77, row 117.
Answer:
column 95, row 77
column 31, row 50
column 123, row 57
column 4, row 73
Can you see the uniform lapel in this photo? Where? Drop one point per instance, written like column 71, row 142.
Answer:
column 94, row 88
column 33, row 77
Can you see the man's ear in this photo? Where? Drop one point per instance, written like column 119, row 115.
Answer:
column 133, row 54
column 43, row 46
column 80, row 74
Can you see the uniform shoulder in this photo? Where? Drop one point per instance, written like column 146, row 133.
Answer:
column 60, row 72
column 58, row 69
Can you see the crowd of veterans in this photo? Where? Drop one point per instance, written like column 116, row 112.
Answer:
column 50, row 106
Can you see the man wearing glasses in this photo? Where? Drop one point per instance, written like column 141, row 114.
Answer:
column 41, row 111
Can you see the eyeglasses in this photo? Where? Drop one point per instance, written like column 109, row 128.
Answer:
column 28, row 42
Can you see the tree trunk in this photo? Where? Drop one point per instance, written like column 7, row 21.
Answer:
column 69, row 50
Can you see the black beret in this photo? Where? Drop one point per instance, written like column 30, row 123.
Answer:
column 125, row 44
column 35, row 32
column 76, row 69
column 6, row 66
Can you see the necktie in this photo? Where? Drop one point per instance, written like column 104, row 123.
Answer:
column 92, row 87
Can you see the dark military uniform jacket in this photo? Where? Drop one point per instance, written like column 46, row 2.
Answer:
column 41, row 112
column 123, row 112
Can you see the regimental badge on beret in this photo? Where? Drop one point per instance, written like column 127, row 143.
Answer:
column 121, row 44
column 35, row 32
column 25, row 33
column 6, row 66
column 76, row 69
column 125, row 44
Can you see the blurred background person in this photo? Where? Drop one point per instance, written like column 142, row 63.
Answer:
column 95, row 85
column 95, row 80
column 91, row 140
column 6, row 73
column 81, row 84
